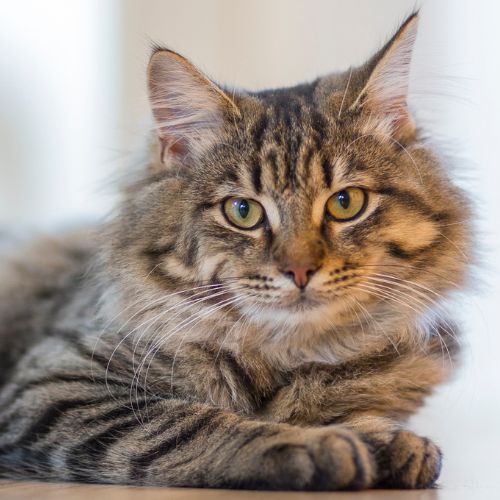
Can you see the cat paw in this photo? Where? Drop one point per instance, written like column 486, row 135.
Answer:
column 314, row 459
column 343, row 461
column 411, row 461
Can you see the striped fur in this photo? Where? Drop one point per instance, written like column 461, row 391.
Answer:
column 170, row 348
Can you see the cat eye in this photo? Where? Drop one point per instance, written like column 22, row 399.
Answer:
column 347, row 204
column 243, row 213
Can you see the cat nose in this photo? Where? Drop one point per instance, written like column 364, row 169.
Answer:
column 300, row 275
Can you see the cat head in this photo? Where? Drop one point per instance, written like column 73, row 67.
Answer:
column 310, row 206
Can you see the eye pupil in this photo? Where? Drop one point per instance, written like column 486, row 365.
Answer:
column 243, row 208
column 243, row 213
column 347, row 204
column 344, row 199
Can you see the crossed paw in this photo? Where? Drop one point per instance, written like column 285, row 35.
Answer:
column 337, row 458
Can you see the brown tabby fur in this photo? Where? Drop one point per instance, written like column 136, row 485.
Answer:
column 168, row 348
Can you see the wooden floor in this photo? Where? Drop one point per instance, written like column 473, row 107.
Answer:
column 35, row 491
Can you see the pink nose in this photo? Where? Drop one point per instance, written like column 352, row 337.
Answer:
column 299, row 274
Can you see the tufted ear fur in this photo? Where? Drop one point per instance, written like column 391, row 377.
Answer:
column 189, row 109
column 385, row 93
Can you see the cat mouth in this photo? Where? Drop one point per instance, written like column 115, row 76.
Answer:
column 301, row 303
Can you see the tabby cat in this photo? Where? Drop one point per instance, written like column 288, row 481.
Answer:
column 265, row 310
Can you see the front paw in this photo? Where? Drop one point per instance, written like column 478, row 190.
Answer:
column 305, row 459
column 409, row 461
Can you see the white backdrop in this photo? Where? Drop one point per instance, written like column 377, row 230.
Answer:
column 72, row 106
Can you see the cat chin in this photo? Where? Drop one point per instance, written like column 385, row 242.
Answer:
column 309, row 318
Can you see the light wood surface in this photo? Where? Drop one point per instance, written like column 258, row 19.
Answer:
column 37, row 491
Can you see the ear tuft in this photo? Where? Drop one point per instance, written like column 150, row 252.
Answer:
column 188, row 108
column 386, row 91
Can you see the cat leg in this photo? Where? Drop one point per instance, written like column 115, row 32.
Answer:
column 67, row 429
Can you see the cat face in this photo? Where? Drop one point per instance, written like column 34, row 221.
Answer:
column 314, row 205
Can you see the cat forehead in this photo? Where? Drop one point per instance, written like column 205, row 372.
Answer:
column 279, row 157
column 286, row 113
column 292, row 187
column 290, row 141
column 292, row 126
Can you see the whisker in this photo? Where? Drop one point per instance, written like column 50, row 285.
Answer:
column 382, row 330
column 431, row 302
column 151, row 321
column 221, row 290
column 143, row 323
column 459, row 250
column 345, row 94
column 165, row 336
column 413, row 268
column 387, row 295
column 377, row 291
column 153, row 354
column 189, row 302
column 146, row 307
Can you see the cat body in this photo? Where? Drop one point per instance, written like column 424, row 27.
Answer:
column 266, row 309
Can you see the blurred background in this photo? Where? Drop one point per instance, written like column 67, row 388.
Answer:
column 73, row 112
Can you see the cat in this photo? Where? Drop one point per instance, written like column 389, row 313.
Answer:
column 265, row 311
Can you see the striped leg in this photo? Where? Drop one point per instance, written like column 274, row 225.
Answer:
column 65, row 428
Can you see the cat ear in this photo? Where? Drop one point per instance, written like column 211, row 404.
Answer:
column 386, row 92
column 188, row 108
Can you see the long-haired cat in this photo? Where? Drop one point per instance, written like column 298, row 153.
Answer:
column 264, row 312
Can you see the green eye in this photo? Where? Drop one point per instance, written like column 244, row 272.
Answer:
column 243, row 213
column 347, row 204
